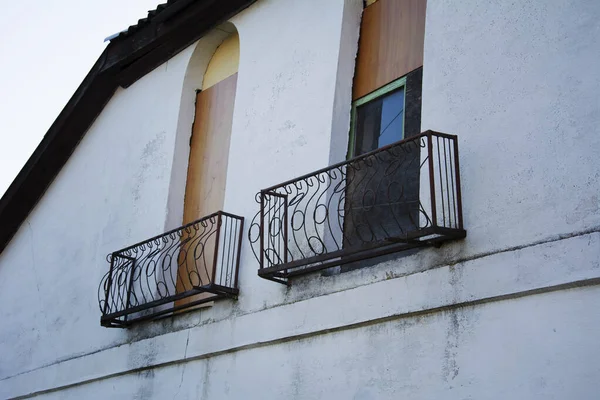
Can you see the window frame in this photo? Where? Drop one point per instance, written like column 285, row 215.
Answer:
column 382, row 91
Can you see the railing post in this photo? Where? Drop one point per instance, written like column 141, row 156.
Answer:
column 261, row 232
column 109, row 282
column 216, row 254
column 239, row 252
column 130, row 286
column 458, row 192
column 285, row 228
column 431, row 178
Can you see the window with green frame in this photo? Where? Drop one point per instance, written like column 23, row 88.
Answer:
column 385, row 116
column 378, row 118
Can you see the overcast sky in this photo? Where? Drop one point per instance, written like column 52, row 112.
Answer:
column 46, row 49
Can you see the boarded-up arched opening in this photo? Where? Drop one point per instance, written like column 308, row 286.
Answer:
column 208, row 158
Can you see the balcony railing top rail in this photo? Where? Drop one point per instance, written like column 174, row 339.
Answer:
column 182, row 268
column 400, row 196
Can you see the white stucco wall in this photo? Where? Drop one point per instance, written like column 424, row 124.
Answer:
column 517, row 81
column 470, row 353
column 284, row 106
column 112, row 192
column 507, row 313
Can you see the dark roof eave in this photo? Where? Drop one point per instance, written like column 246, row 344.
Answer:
column 125, row 60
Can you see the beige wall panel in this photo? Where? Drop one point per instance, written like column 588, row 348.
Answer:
column 224, row 62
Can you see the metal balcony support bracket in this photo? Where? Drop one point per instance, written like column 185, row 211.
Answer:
column 398, row 197
column 185, row 267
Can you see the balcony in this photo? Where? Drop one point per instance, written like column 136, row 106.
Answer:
column 398, row 197
column 192, row 265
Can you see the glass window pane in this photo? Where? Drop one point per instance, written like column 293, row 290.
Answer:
column 392, row 118
column 379, row 122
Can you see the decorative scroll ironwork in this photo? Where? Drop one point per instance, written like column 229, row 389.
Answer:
column 191, row 265
column 401, row 196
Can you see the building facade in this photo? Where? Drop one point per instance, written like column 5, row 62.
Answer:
column 497, row 300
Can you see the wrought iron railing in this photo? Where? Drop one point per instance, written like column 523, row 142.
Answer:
column 401, row 196
column 188, row 266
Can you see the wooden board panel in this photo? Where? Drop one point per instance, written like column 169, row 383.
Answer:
column 207, row 175
column 392, row 34
column 209, row 152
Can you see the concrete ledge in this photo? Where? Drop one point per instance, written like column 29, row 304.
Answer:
column 545, row 267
